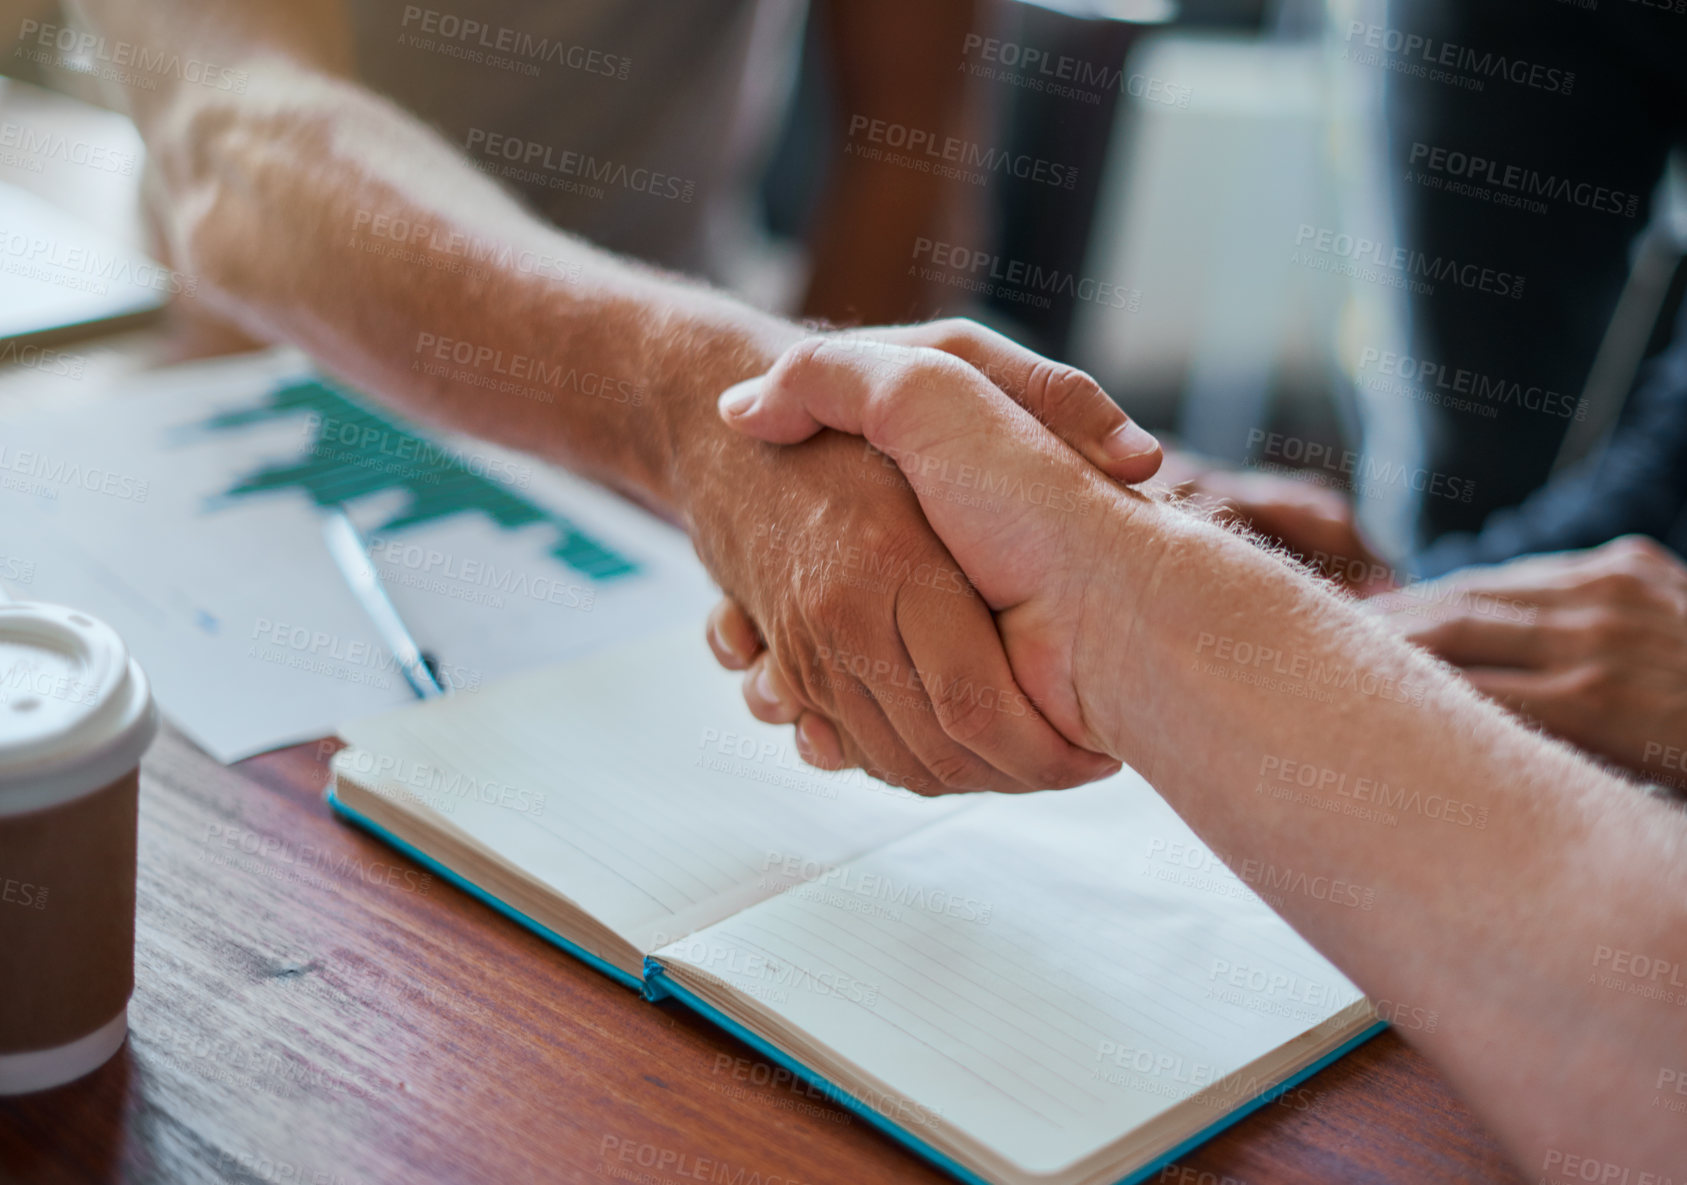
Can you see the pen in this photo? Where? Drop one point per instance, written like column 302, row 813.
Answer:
column 352, row 557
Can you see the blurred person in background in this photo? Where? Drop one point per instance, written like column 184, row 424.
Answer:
column 1560, row 588
column 1552, row 178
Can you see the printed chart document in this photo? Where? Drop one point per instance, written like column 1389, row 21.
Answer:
column 1020, row 988
column 186, row 507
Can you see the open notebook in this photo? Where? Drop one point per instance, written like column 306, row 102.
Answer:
column 1063, row 987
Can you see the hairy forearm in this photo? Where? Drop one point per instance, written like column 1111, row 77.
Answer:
column 1503, row 873
column 315, row 213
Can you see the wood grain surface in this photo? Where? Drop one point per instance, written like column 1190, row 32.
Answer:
column 312, row 1007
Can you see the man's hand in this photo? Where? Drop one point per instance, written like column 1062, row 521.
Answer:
column 1314, row 522
column 869, row 623
column 1022, row 513
column 1591, row 644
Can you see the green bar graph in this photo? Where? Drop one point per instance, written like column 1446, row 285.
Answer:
column 358, row 451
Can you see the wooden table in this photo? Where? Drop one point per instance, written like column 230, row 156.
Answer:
column 321, row 1012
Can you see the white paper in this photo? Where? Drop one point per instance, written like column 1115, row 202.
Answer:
column 1029, row 973
column 635, row 783
column 233, row 606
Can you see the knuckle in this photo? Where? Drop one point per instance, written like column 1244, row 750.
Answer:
column 1639, row 550
column 1616, row 585
column 885, row 542
column 798, row 363
column 959, row 333
column 826, row 603
column 808, row 676
column 1610, row 630
column 1634, row 568
column 903, row 387
column 1595, row 687
column 923, row 369
column 961, row 711
column 955, row 770
column 1056, row 393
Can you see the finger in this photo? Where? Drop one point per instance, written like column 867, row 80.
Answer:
column 1561, row 583
column 885, row 717
column 976, row 700
column 1419, row 609
column 1313, row 521
column 769, row 695
column 1539, row 580
column 867, row 743
column 1314, row 528
column 937, row 418
column 1469, row 639
column 911, row 730
column 872, row 743
column 1062, row 398
column 732, row 635
column 818, row 742
column 902, row 696
column 1417, row 606
column 1545, row 698
column 1403, row 612
column 782, row 422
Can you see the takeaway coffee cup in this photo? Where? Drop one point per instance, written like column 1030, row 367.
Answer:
column 75, row 716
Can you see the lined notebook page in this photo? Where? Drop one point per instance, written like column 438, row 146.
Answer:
column 1046, row 972
column 634, row 782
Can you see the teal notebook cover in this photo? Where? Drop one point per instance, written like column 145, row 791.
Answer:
column 657, row 985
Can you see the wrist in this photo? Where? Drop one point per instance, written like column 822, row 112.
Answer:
column 637, row 361
column 1121, row 643
column 697, row 346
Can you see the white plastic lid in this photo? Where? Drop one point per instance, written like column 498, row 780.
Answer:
column 75, row 709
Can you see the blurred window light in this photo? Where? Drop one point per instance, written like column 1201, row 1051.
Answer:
column 1136, row 12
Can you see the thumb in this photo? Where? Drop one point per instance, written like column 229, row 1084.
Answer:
column 777, row 421
column 1062, row 398
column 997, row 487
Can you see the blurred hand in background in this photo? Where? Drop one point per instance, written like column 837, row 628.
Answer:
column 1591, row 645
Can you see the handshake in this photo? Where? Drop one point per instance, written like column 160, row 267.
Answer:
column 950, row 632
column 1080, row 637
column 948, row 603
